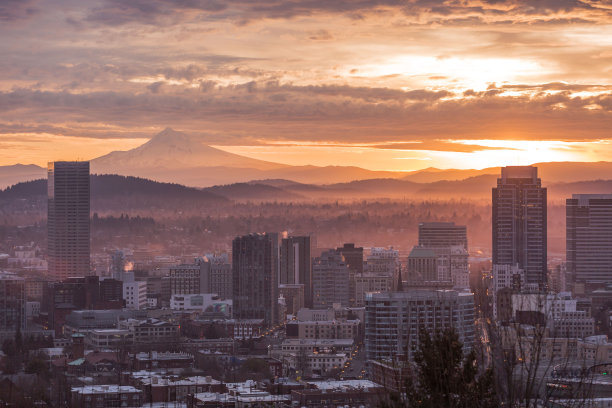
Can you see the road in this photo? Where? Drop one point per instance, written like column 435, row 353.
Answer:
column 356, row 364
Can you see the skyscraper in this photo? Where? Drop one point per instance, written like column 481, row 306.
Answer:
column 68, row 219
column 449, row 242
column 519, row 223
column 295, row 265
column 330, row 281
column 442, row 234
column 190, row 279
column 353, row 256
column 255, row 277
column 589, row 238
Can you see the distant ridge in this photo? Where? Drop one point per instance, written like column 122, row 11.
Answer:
column 15, row 173
column 254, row 192
column 111, row 186
column 549, row 172
column 117, row 190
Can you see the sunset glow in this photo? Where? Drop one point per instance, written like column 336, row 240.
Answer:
column 371, row 84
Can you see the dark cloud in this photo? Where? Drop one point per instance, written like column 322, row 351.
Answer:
column 272, row 111
column 16, row 10
column 448, row 12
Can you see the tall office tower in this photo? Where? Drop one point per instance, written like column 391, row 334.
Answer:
column 589, row 238
column 255, row 277
column 519, row 223
column 188, row 279
column 220, row 281
column 449, row 242
column 117, row 265
column 353, row 257
column 68, row 219
column 295, row 265
column 12, row 304
column 393, row 320
column 330, row 281
column 442, row 234
column 423, row 266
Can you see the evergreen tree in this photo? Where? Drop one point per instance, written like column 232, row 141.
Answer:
column 18, row 339
column 444, row 377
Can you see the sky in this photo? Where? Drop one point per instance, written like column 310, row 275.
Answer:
column 381, row 84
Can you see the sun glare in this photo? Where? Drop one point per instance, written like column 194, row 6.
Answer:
column 465, row 73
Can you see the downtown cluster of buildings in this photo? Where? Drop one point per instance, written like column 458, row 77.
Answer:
column 308, row 314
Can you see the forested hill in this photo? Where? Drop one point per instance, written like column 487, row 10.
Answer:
column 111, row 186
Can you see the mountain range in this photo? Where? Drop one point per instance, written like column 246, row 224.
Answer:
column 175, row 157
column 114, row 191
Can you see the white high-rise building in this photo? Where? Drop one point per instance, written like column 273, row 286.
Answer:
column 393, row 320
column 509, row 277
column 135, row 294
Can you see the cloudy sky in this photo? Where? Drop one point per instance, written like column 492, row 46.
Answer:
column 382, row 84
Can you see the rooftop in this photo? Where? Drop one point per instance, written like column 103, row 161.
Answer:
column 344, row 384
column 105, row 389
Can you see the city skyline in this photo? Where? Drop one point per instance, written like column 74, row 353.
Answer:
column 364, row 203
column 383, row 85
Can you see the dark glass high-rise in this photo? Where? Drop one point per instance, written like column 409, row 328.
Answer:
column 68, row 225
column 519, row 223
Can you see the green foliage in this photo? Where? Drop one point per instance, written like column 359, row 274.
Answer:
column 444, row 377
column 39, row 367
column 8, row 347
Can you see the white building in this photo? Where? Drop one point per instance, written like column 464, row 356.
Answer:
column 558, row 311
column 314, row 363
column 32, row 309
column 135, row 294
column 393, row 320
column 202, row 302
column 505, row 277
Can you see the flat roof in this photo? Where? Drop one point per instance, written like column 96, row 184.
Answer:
column 105, row 389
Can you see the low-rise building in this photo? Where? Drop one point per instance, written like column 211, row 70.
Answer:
column 106, row 396
column 313, row 363
column 306, row 346
column 595, row 348
column 151, row 330
column 108, row 338
column 157, row 388
column 155, row 360
column 82, row 321
column 204, row 303
column 239, row 395
column 331, row 329
column 350, row 393
column 247, row 328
